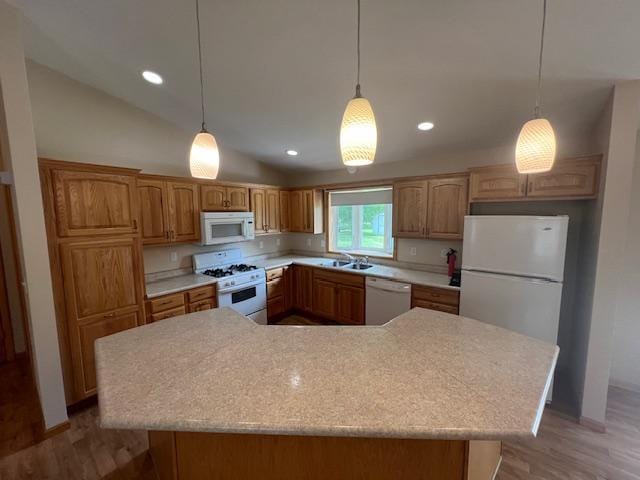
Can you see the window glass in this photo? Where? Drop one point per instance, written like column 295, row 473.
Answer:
column 360, row 222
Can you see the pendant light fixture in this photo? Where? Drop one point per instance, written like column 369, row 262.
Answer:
column 204, row 158
column 536, row 147
column 358, row 132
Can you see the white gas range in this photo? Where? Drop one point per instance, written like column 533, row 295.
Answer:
column 241, row 287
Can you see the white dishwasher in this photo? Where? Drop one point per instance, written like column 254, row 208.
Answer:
column 386, row 300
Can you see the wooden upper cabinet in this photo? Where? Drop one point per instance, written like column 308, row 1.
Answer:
column 295, row 211
column 567, row 178
column 272, row 210
column 306, row 211
column 92, row 203
column 238, row 199
column 500, row 182
column 448, row 203
column 410, row 209
column 153, row 204
column 184, row 211
column 215, row 198
column 285, row 216
column 258, row 202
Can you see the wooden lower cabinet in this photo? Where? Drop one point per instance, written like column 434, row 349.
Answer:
column 197, row 455
column 279, row 292
column 339, row 296
column 181, row 303
column 350, row 305
column 302, row 288
column 88, row 332
column 325, row 298
column 434, row 298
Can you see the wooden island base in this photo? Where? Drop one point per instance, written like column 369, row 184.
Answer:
column 218, row 456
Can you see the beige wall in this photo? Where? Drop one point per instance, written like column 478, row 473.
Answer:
column 625, row 364
column 616, row 203
column 76, row 122
column 19, row 152
column 436, row 163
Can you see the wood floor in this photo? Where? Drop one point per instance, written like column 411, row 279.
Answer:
column 20, row 415
column 563, row 450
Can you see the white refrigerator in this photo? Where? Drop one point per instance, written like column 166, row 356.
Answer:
column 512, row 272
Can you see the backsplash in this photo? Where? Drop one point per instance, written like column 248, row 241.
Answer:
column 166, row 258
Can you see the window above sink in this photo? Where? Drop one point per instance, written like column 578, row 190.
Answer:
column 360, row 221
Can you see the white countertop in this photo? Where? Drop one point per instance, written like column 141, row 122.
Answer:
column 417, row 277
column 425, row 374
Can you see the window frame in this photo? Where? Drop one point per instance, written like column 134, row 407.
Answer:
column 332, row 226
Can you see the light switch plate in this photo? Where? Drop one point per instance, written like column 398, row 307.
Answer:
column 174, row 256
column 261, row 244
column 308, row 242
column 277, row 242
column 412, row 251
column 323, row 243
column 443, row 252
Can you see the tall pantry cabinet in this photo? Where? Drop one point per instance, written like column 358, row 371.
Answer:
column 91, row 216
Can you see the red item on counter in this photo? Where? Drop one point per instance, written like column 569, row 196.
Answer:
column 451, row 261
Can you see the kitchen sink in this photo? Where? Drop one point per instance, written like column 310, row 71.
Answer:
column 360, row 266
column 337, row 263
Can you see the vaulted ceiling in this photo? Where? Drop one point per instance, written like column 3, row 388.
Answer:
column 278, row 73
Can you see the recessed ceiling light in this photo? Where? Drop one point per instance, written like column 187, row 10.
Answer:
column 152, row 77
column 292, row 153
column 424, row 126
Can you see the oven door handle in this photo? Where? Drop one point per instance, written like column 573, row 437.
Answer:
column 244, row 286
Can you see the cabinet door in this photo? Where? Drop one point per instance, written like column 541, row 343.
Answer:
column 272, row 210
column 324, row 299
column 448, row 203
column 568, row 178
column 258, row 206
column 237, row 199
column 303, row 288
column 284, row 211
column 87, row 334
column 295, row 211
column 101, row 276
column 213, row 198
column 202, row 305
column 350, row 305
column 287, row 296
column 307, row 211
column 501, row 182
column 184, row 211
column 89, row 203
column 154, row 211
column 410, row 209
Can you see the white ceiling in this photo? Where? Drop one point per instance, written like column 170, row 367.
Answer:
column 279, row 73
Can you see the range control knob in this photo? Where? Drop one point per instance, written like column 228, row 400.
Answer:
column 233, row 283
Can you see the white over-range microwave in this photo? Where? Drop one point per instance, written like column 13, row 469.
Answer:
column 226, row 227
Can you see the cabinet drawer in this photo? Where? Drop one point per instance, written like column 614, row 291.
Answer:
column 202, row 305
column 437, row 295
column 275, row 273
column 440, row 307
column 174, row 312
column 166, row 302
column 275, row 287
column 203, row 293
column 351, row 279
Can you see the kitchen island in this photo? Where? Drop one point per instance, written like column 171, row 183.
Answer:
column 428, row 395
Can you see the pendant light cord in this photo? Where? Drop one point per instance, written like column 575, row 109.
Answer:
column 200, row 62
column 358, row 95
column 538, row 95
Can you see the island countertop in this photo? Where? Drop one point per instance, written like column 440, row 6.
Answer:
column 424, row 375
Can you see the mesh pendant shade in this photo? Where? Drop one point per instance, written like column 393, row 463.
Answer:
column 358, row 133
column 536, row 147
column 204, row 158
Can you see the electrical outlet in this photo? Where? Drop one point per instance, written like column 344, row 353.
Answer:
column 174, row 256
column 323, row 243
column 308, row 242
column 277, row 242
column 412, row 251
column 261, row 244
column 443, row 252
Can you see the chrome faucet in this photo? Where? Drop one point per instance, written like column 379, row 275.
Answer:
column 351, row 258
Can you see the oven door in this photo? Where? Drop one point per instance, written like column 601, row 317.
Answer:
column 224, row 230
column 245, row 299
